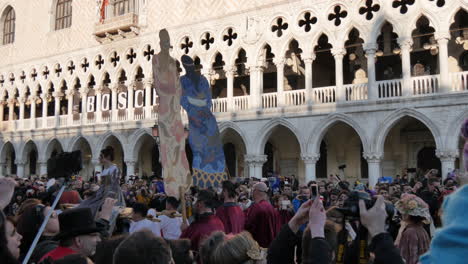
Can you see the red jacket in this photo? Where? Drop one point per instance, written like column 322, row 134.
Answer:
column 202, row 228
column 232, row 217
column 262, row 221
column 58, row 253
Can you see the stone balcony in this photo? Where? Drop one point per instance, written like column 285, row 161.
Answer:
column 288, row 102
column 118, row 27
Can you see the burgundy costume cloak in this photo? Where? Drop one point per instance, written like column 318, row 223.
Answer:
column 262, row 221
column 232, row 216
column 201, row 228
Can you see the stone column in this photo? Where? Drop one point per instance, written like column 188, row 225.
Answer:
column 20, row 169
column 21, row 100
column 405, row 46
column 130, row 168
column 255, row 164
column 256, row 87
column 43, row 168
column 32, row 100
column 11, row 108
column 114, row 110
column 230, row 71
column 447, row 158
column 148, row 84
column 372, row 92
column 57, row 96
column 70, row 94
column 280, row 81
column 98, row 104
column 84, row 98
column 375, row 169
column 131, row 92
column 308, row 78
column 338, row 54
column 310, row 160
column 44, row 98
column 444, row 85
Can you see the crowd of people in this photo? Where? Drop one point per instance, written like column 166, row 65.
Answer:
column 412, row 218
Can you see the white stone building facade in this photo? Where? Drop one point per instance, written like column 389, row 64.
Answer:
column 300, row 87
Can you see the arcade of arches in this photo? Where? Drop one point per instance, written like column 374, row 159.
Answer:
column 408, row 143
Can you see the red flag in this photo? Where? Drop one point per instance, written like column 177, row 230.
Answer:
column 103, row 9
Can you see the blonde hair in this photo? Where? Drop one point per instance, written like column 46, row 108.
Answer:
column 238, row 249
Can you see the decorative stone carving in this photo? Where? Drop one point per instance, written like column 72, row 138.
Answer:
column 84, row 91
column 338, row 52
column 148, row 82
column 405, row 43
column 253, row 31
column 257, row 160
column 447, row 155
column 373, row 157
column 310, row 158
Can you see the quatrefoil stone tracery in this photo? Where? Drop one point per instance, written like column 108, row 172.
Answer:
column 307, row 21
column 369, row 9
column 403, row 5
column 207, row 41
column 230, row 36
column 279, row 27
column 337, row 15
column 186, row 45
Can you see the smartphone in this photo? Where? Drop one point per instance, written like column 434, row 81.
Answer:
column 314, row 191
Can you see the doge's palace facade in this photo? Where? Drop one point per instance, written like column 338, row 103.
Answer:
column 299, row 87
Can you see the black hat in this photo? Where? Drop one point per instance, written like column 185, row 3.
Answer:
column 75, row 222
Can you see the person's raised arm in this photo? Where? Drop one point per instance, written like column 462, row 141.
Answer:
column 382, row 243
column 315, row 249
column 281, row 249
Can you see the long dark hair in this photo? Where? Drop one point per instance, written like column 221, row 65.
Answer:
column 28, row 224
column 5, row 254
column 108, row 153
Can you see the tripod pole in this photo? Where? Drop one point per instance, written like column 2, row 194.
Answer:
column 44, row 223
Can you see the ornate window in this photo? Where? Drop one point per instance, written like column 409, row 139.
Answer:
column 122, row 7
column 63, row 14
column 8, row 21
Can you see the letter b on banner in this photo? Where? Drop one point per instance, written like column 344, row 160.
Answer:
column 90, row 104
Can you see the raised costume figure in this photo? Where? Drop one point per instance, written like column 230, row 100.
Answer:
column 176, row 170
column 208, row 155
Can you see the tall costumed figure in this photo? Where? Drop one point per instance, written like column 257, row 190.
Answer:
column 176, row 169
column 208, row 162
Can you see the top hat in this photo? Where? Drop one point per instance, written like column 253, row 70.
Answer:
column 75, row 222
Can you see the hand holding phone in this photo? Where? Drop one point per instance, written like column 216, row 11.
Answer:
column 314, row 191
